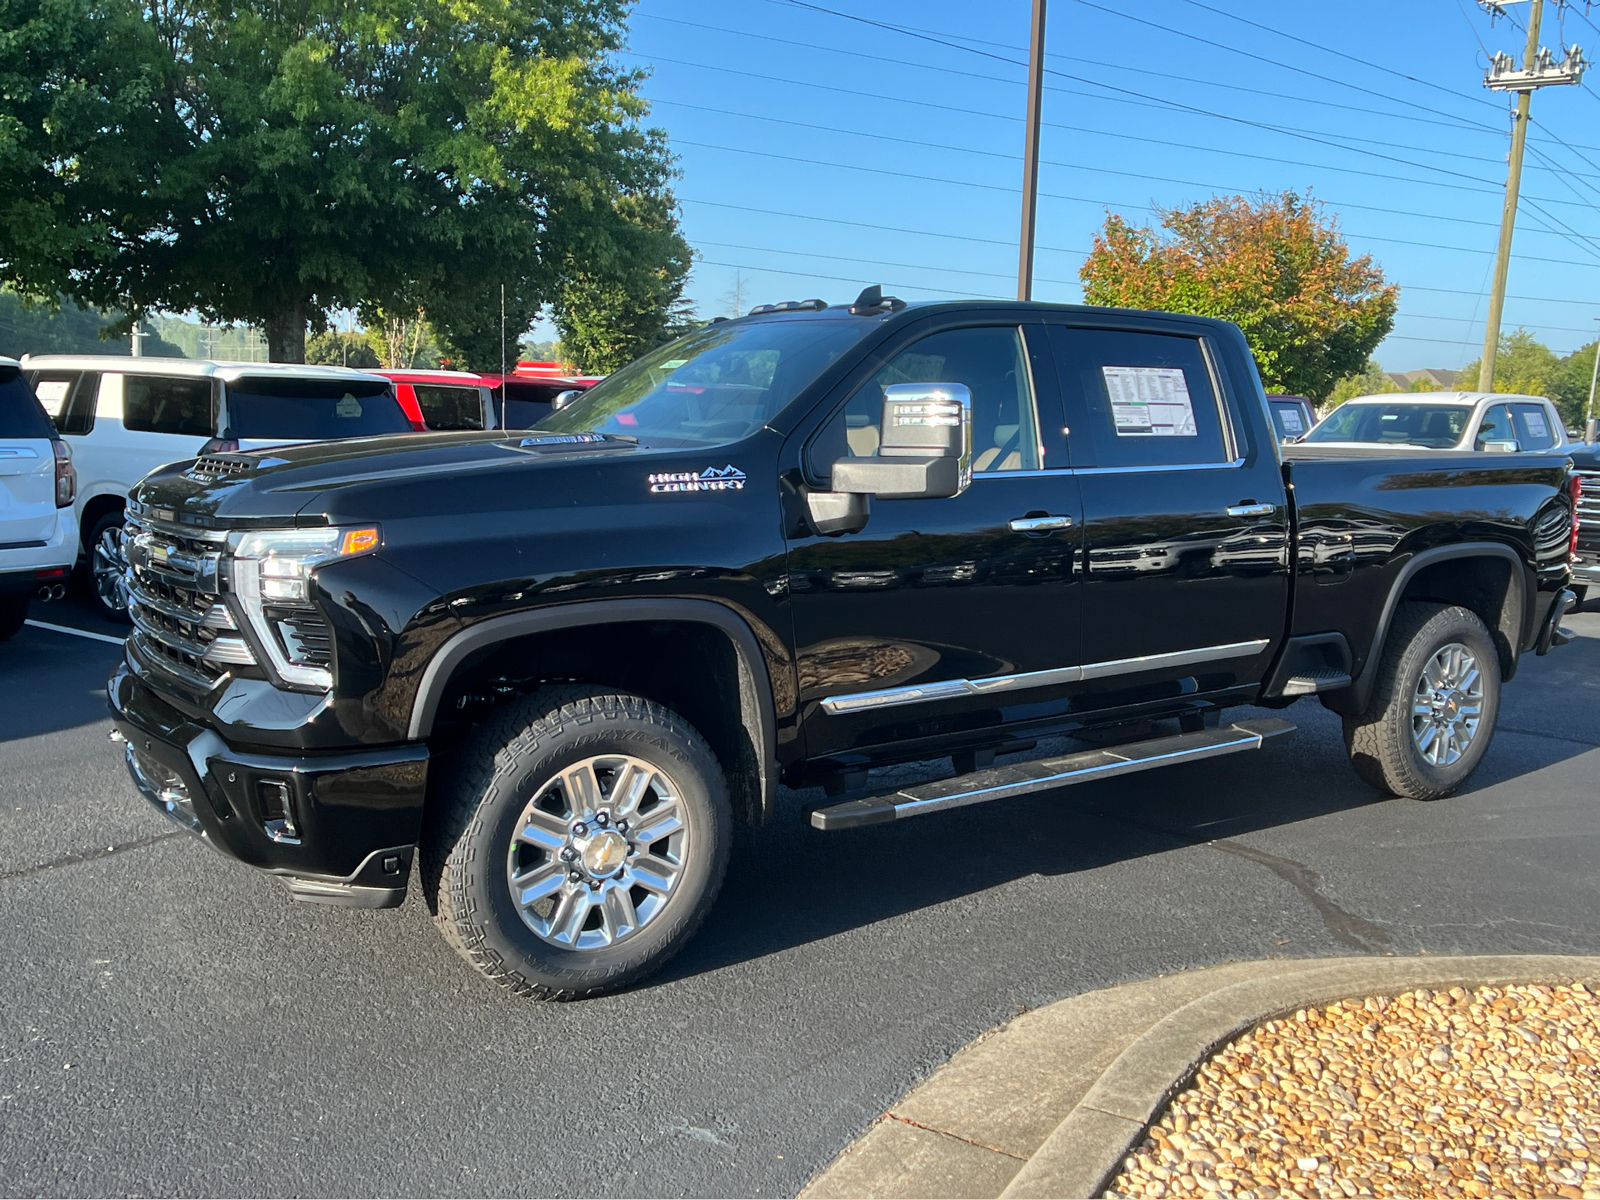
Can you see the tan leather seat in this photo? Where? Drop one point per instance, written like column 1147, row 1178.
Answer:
column 1004, row 455
column 863, row 440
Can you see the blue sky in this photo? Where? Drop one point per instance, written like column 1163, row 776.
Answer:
column 820, row 152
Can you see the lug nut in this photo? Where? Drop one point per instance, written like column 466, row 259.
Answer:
column 579, row 829
column 602, row 819
column 622, row 826
column 594, row 885
column 568, row 854
column 574, row 877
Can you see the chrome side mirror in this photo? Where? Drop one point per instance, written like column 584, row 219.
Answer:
column 924, row 449
column 565, row 398
column 1501, row 447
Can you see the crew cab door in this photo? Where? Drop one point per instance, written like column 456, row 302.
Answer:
column 939, row 616
column 1185, row 516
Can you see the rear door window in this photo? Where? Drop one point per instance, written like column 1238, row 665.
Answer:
column 291, row 409
column 20, row 413
column 68, row 397
column 1532, row 423
column 167, row 404
column 1496, row 427
column 526, row 404
column 1139, row 399
column 447, row 408
column 1289, row 419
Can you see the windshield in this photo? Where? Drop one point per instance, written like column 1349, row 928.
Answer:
column 1437, row 426
column 294, row 410
column 716, row 385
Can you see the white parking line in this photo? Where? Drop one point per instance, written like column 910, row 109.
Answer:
column 83, row 633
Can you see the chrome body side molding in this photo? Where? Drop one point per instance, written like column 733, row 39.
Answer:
column 950, row 689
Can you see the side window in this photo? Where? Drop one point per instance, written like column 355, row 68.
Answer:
column 153, row 404
column 1532, row 424
column 991, row 360
column 450, row 407
column 68, row 397
column 1138, row 399
column 1496, row 427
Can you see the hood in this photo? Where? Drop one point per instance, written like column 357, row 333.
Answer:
column 1585, row 455
column 314, row 482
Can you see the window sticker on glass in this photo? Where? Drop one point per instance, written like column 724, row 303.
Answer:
column 1536, row 426
column 672, row 364
column 1150, row 402
column 51, row 393
column 348, row 406
column 1291, row 421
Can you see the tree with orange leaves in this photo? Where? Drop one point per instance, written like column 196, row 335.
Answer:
column 1270, row 264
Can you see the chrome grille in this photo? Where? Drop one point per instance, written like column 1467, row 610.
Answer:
column 175, row 600
column 1589, row 503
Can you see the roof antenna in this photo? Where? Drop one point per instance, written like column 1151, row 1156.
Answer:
column 873, row 301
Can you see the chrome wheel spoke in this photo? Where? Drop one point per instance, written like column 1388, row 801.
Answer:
column 654, row 874
column 620, row 916
column 628, row 788
column 661, row 821
column 544, row 880
column 543, row 830
column 582, row 790
column 567, row 922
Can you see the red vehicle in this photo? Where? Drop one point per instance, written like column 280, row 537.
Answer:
column 451, row 400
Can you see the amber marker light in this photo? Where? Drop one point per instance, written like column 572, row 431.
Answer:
column 358, row 541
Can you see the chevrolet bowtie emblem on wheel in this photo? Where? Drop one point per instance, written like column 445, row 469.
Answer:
column 712, row 479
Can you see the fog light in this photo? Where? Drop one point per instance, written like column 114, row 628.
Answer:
column 277, row 811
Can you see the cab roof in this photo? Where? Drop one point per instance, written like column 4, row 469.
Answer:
column 1447, row 398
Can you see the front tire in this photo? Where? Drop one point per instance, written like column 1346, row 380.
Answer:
column 106, row 565
column 578, row 843
column 1433, row 707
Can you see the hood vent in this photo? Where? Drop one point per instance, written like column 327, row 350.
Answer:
column 217, row 466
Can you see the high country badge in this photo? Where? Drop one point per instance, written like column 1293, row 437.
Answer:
column 712, row 479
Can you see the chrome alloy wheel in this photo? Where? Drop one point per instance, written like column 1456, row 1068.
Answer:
column 597, row 852
column 106, row 566
column 1447, row 707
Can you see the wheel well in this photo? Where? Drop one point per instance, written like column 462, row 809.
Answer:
column 692, row 668
column 93, row 510
column 1482, row 585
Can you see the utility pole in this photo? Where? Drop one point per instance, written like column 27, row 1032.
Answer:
column 1539, row 69
column 1588, row 413
column 1030, row 154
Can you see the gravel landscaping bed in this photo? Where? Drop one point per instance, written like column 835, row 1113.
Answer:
column 1489, row 1093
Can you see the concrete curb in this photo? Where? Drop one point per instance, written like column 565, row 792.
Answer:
column 1051, row 1103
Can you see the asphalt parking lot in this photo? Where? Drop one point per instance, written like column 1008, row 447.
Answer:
column 171, row 1022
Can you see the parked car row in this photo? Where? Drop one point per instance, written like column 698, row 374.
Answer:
column 1491, row 422
column 116, row 419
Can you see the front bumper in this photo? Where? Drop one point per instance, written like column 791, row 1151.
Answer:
column 1586, row 565
column 353, row 819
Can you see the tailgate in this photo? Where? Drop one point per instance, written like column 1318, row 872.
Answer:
column 27, row 491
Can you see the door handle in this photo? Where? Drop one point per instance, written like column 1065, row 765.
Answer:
column 1252, row 510
column 1040, row 524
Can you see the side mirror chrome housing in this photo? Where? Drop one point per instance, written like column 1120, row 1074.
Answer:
column 924, row 449
column 1501, row 447
column 565, row 398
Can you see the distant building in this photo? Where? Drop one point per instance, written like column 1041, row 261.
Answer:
column 1441, row 380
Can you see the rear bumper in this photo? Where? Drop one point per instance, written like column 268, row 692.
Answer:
column 1586, row 565
column 21, row 565
column 353, row 818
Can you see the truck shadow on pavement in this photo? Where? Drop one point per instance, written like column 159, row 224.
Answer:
column 789, row 885
column 52, row 681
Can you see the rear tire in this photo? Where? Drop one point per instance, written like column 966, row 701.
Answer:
column 1434, row 706
column 578, row 842
column 106, row 565
column 13, row 612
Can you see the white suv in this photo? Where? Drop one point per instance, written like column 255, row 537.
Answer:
column 124, row 417
column 38, row 536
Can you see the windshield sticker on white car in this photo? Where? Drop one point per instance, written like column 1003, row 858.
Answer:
column 348, row 406
column 1150, row 402
column 712, row 479
column 1536, row 426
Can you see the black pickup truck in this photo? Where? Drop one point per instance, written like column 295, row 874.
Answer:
column 794, row 547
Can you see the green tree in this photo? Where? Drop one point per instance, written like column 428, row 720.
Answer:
column 297, row 156
column 1272, row 265
column 1523, row 366
column 1577, row 370
column 65, row 328
column 334, row 349
column 1369, row 381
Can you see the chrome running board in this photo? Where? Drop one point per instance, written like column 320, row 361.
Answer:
column 1000, row 783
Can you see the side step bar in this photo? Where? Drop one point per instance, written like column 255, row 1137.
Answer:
column 1000, row 783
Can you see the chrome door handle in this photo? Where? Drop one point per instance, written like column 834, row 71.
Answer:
column 1252, row 510
column 1040, row 524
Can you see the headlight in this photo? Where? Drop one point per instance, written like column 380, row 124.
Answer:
column 271, row 577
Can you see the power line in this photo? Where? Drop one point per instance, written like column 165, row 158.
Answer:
column 878, row 263
column 854, row 281
column 1397, row 212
